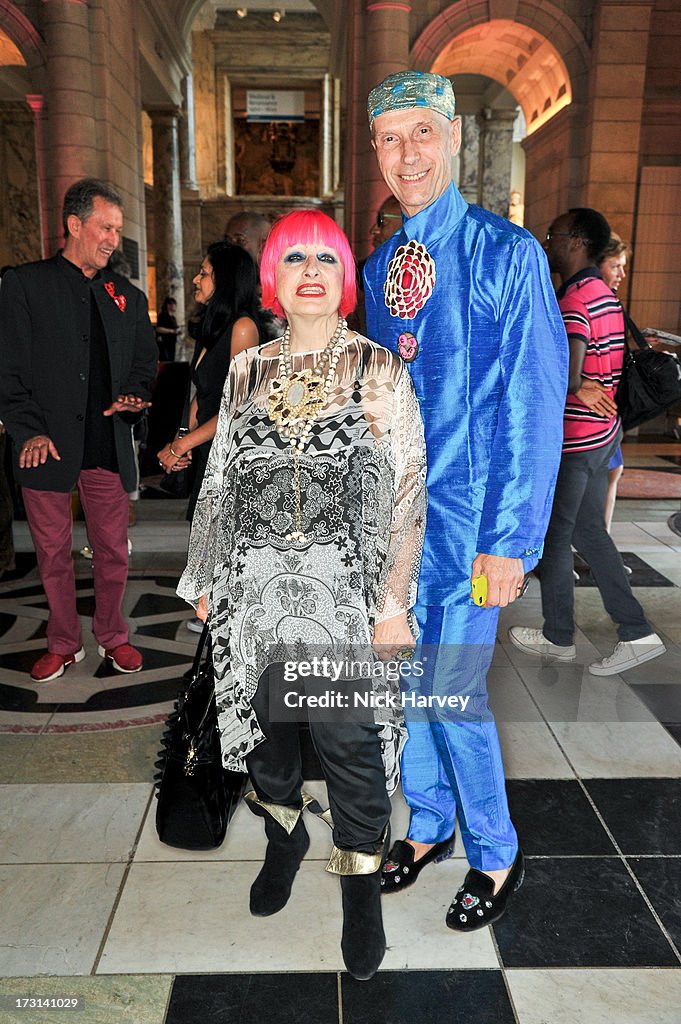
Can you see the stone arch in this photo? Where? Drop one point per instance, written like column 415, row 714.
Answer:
column 28, row 41
column 536, row 51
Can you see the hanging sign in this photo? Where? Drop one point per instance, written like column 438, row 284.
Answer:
column 275, row 105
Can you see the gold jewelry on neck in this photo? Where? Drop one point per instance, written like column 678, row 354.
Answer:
column 296, row 399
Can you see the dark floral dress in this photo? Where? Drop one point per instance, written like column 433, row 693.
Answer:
column 363, row 511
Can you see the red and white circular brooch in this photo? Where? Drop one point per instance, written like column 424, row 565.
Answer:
column 410, row 280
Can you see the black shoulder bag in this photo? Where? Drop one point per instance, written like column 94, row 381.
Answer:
column 196, row 795
column 651, row 381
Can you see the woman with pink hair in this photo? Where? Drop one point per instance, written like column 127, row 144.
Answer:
column 304, row 557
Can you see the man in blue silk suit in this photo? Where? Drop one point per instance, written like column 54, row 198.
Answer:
column 465, row 297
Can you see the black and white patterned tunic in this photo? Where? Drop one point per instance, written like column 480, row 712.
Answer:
column 363, row 510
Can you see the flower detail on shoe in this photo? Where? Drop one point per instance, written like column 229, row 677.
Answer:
column 401, row 869
column 478, row 892
column 468, row 901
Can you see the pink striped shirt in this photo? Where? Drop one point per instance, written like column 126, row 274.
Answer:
column 593, row 313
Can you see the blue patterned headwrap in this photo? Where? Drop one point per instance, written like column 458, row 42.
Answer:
column 412, row 89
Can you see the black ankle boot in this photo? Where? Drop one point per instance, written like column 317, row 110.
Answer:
column 363, row 942
column 271, row 889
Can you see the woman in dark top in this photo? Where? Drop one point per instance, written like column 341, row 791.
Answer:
column 227, row 287
column 167, row 330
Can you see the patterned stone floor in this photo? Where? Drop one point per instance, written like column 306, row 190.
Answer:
column 94, row 908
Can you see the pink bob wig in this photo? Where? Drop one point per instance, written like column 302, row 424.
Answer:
column 306, row 227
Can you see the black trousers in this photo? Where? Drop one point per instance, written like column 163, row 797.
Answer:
column 6, row 542
column 350, row 755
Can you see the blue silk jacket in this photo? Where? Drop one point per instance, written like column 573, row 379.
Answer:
column 490, row 373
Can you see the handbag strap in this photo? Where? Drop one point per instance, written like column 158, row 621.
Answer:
column 202, row 652
column 634, row 331
column 204, row 642
column 184, row 422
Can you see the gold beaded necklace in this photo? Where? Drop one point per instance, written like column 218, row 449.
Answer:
column 296, row 398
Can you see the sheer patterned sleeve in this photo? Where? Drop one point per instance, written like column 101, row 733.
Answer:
column 399, row 579
column 204, row 539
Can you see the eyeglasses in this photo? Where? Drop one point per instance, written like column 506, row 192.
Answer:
column 383, row 217
column 557, row 234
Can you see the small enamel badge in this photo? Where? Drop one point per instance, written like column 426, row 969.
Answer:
column 408, row 346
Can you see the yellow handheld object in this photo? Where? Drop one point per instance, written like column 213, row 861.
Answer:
column 479, row 589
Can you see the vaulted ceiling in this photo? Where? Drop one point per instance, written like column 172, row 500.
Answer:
column 183, row 12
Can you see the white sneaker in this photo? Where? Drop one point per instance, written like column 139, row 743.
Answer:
column 533, row 641
column 194, row 625
column 628, row 654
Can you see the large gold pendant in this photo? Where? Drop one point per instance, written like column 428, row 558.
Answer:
column 298, row 397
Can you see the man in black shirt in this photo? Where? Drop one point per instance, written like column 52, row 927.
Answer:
column 77, row 357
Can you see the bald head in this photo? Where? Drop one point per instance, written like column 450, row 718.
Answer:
column 249, row 230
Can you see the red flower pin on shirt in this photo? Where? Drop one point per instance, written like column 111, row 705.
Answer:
column 120, row 300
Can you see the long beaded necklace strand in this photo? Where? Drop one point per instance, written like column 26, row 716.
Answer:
column 297, row 397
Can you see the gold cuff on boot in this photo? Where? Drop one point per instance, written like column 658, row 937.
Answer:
column 311, row 804
column 287, row 817
column 352, row 862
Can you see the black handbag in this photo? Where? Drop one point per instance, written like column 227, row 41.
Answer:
column 179, row 484
column 197, row 796
column 651, row 381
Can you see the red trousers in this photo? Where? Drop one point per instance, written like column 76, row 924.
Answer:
column 105, row 504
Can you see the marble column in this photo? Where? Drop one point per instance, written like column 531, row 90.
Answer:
column 326, row 139
column 20, row 209
column 337, row 119
column 230, row 173
column 186, row 141
column 70, row 151
column 497, row 157
column 167, row 209
column 387, row 39
column 469, row 158
column 387, row 51
column 36, row 103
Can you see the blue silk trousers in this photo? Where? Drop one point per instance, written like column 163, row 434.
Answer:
column 451, row 764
